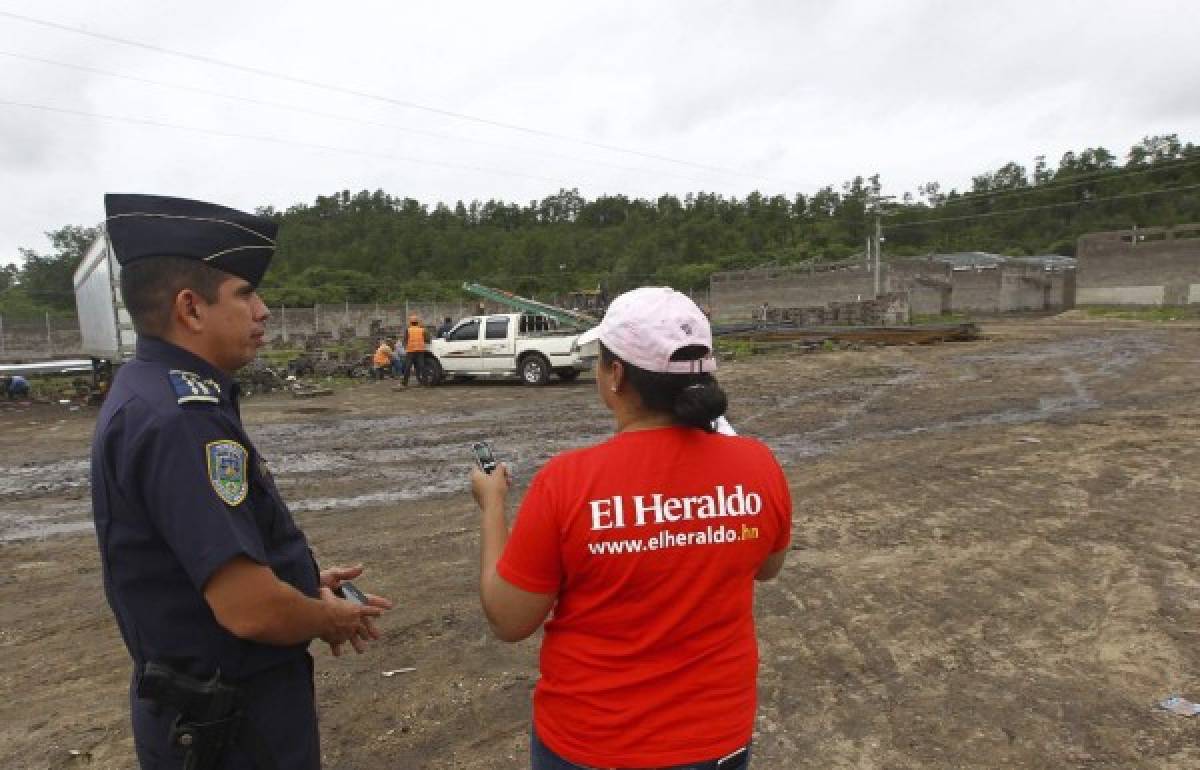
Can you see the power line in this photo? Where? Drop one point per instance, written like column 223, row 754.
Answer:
column 1080, row 181
column 379, row 97
column 278, row 140
column 343, row 118
column 1027, row 209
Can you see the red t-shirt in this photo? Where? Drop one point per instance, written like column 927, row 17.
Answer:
column 651, row 541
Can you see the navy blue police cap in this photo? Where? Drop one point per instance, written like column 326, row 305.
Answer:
column 144, row 226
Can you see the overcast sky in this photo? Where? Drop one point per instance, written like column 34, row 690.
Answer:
column 781, row 96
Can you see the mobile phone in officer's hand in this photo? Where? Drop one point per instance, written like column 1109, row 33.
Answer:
column 483, row 456
column 350, row 593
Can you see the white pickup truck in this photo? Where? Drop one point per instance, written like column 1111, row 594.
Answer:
column 523, row 345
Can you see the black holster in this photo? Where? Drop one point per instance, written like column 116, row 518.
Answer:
column 210, row 713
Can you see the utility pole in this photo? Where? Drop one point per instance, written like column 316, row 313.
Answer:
column 877, row 202
column 878, row 248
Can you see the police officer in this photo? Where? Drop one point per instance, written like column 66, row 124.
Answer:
column 214, row 588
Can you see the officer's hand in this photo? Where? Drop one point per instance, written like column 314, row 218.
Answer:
column 348, row 622
column 490, row 489
column 359, row 642
column 332, row 578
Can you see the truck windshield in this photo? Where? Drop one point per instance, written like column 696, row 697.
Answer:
column 469, row 330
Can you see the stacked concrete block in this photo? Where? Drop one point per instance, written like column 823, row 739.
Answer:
column 888, row 310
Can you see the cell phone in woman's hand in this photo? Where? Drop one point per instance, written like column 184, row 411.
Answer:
column 483, row 456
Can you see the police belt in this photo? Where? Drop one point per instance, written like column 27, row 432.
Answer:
column 211, row 716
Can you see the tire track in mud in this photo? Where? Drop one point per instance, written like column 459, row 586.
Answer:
column 1082, row 363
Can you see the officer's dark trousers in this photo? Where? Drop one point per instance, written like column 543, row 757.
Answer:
column 281, row 709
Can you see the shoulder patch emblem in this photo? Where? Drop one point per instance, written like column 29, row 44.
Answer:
column 191, row 388
column 227, row 470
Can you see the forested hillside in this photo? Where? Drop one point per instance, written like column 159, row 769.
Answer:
column 375, row 246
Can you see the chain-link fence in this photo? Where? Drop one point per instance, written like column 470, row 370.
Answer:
column 292, row 326
column 46, row 335
column 38, row 336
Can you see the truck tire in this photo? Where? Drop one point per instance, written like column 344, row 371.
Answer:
column 534, row 369
column 431, row 372
column 567, row 375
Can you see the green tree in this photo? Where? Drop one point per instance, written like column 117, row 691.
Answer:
column 8, row 276
column 47, row 278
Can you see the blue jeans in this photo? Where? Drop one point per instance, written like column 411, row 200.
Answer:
column 543, row 758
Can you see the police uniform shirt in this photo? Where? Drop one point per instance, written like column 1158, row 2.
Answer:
column 178, row 491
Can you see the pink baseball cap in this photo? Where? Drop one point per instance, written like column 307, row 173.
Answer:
column 645, row 327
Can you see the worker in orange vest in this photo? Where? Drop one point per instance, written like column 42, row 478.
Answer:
column 414, row 348
column 381, row 362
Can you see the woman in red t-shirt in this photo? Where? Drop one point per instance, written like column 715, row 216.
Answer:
column 646, row 547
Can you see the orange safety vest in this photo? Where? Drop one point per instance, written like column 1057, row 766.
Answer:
column 416, row 339
column 383, row 356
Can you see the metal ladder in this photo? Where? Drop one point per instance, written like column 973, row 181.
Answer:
column 524, row 304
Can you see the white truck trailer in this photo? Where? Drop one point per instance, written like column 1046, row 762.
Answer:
column 104, row 325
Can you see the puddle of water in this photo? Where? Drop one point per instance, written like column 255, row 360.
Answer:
column 427, row 490
column 50, row 519
column 32, row 530
column 45, row 478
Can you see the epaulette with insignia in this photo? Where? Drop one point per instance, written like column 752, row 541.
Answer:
column 191, row 388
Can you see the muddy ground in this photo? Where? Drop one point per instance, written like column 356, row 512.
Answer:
column 995, row 559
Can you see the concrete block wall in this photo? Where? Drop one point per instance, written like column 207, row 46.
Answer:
column 740, row 294
column 932, row 288
column 1025, row 287
column 800, row 316
column 976, row 290
column 1062, row 289
column 887, row 310
column 1147, row 266
column 927, row 283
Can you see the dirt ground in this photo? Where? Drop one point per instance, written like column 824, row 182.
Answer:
column 994, row 561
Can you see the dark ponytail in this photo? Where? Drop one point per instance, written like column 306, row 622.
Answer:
column 694, row 400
